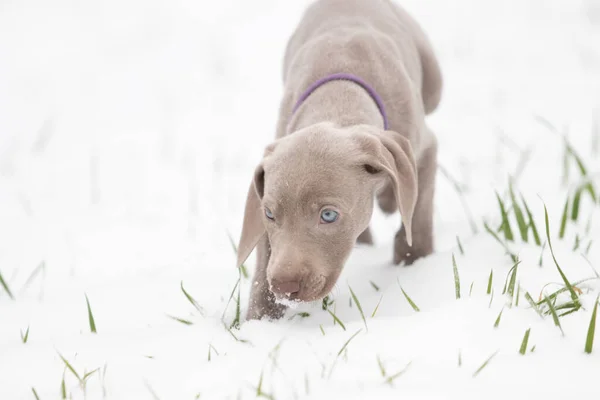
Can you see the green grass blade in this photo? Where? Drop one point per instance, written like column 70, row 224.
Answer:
column 505, row 227
column 374, row 286
column 242, row 268
column 70, row 367
column 490, row 280
column 497, row 323
column 377, row 307
column 534, row 231
column 390, row 380
column 25, row 337
column 563, row 220
column 181, row 320
column 412, row 303
column 192, row 301
column 456, row 278
column 381, row 367
column 495, row 236
column 589, row 341
column 523, row 348
column 35, row 394
column 348, row 342
column 523, row 226
column 576, row 203
column 63, row 388
column 336, row 319
column 91, row 320
column 362, row 314
column 554, row 315
column 486, row 362
column 533, row 304
column 563, row 276
column 5, row 286
column 460, row 248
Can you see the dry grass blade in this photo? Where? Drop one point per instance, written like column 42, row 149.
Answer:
column 589, row 341
column 456, row 278
column 5, row 286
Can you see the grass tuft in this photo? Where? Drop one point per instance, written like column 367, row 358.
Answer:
column 524, row 342
column 91, row 320
column 456, row 278
column 589, row 341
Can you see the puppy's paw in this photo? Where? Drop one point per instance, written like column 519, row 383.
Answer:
column 405, row 254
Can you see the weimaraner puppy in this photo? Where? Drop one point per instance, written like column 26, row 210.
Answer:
column 359, row 78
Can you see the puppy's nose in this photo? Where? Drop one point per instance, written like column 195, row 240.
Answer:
column 287, row 288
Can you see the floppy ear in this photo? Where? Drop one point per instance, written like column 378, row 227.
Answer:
column 395, row 157
column 253, row 228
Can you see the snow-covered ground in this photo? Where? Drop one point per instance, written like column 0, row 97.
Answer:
column 129, row 131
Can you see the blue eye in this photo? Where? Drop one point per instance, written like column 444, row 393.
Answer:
column 269, row 214
column 328, row 216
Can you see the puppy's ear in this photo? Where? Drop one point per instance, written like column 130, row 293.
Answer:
column 253, row 228
column 392, row 153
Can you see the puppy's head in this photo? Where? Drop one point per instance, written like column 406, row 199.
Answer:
column 312, row 194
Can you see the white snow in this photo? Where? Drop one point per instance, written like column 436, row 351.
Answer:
column 129, row 131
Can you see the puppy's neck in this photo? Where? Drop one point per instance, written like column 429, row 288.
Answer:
column 342, row 102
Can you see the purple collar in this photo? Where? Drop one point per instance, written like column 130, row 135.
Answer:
column 344, row 77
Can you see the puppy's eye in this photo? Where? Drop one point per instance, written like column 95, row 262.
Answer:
column 269, row 214
column 328, row 216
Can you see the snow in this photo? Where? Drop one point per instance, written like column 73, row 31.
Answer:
column 129, row 131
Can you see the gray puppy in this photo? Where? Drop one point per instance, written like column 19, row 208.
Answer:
column 359, row 76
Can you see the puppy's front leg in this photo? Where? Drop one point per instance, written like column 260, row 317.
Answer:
column 262, row 300
column 422, row 224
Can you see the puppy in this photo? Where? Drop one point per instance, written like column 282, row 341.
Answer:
column 359, row 78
